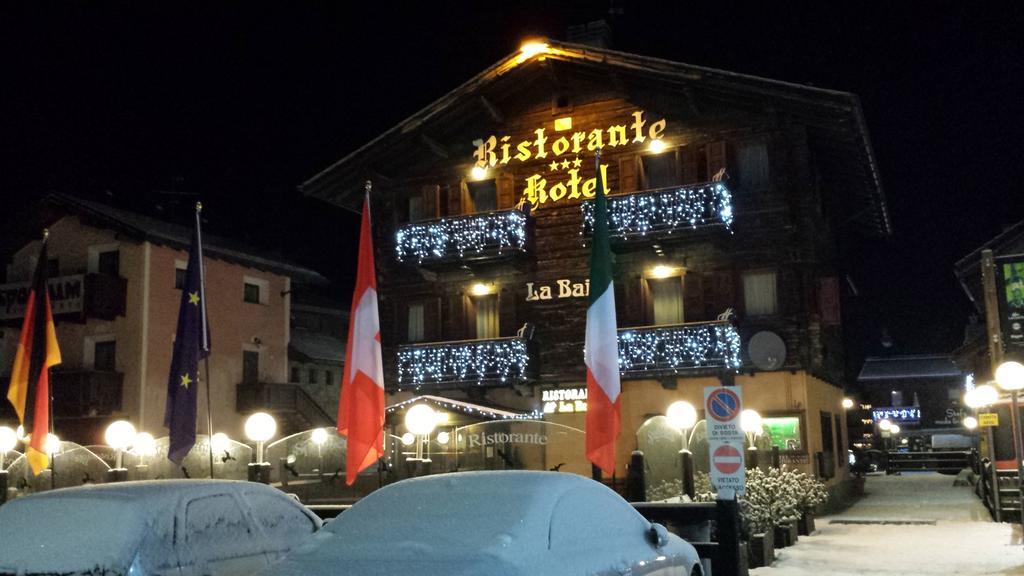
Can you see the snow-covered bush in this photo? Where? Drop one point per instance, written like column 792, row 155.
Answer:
column 665, row 490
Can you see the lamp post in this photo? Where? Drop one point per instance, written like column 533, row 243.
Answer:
column 1010, row 377
column 750, row 423
column 683, row 415
column 8, row 440
column 420, row 421
column 259, row 428
column 144, row 447
column 119, row 435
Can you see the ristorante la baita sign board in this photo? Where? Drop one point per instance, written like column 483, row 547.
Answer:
column 564, row 149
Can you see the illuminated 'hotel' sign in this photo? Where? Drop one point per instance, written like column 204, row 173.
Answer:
column 563, row 154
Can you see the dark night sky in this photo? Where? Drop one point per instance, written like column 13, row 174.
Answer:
column 238, row 104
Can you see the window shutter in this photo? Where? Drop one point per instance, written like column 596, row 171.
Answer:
column 431, row 319
column 469, row 318
column 719, row 293
column 455, row 321
column 716, row 158
column 628, row 174
column 505, row 183
column 693, row 297
column 507, row 321
column 689, row 164
column 455, row 195
column 430, row 201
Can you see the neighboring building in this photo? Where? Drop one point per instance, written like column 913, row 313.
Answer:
column 923, row 394
column 729, row 196
column 115, row 277
column 316, row 355
column 974, row 356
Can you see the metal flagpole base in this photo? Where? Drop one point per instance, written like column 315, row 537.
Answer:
column 117, row 475
column 259, row 472
column 688, row 487
column 4, row 479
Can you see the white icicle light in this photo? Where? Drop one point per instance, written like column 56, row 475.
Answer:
column 709, row 345
column 665, row 211
column 503, row 360
column 451, row 237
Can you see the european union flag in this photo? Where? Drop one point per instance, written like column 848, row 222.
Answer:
column 191, row 344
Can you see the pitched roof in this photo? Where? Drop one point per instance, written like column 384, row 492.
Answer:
column 836, row 126
column 165, row 233
column 314, row 347
column 909, row 367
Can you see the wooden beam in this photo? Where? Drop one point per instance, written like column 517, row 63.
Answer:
column 434, row 146
column 492, row 110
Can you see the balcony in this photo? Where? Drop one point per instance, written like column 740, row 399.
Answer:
column 470, row 237
column 75, row 298
column 664, row 212
column 81, row 393
column 663, row 350
column 496, row 362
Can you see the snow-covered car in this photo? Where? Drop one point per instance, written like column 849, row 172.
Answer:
column 157, row 527
column 492, row 523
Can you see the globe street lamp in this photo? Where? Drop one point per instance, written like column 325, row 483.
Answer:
column 1010, row 377
column 420, row 420
column 970, row 422
column 751, row 424
column 847, row 403
column 119, row 435
column 683, row 416
column 319, row 437
column 259, row 428
column 144, row 447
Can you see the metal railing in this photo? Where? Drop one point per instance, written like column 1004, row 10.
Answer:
column 470, row 236
column 678, row 347
column 665, row 211
column 498, row 361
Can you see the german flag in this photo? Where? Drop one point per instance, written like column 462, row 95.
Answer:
column 29, row 390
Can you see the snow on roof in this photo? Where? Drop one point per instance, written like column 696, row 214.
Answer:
column 904, row 367
column 317, row 347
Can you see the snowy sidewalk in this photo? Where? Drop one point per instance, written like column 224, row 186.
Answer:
column 950, row 533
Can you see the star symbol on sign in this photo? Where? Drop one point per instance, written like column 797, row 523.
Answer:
column 565, row 164
column 553, row 166
column 193, row 298
column 185, row 380
column 577, row 162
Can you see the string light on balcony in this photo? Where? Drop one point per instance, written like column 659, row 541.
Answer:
column 467, row 409
column 700, row 346
column 447, row 237
column 503, row 360
column 665, row 210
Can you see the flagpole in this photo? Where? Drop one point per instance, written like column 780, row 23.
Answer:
column 205, row 345
column 53, row 457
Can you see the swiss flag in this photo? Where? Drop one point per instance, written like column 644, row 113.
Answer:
column 361, row 410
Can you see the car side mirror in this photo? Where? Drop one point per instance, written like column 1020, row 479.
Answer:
column 658, row 535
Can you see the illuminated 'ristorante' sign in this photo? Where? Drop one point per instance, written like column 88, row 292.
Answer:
column 562, row 150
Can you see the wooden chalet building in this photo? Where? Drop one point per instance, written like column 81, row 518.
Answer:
column 728, row 197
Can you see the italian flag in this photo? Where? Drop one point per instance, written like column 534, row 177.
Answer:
column 361, row 410
column 601, row 351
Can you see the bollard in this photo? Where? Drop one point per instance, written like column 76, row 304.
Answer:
column 117, row 475
column 636, row 483
column 728, row 530
column 688, row 487
column 751, row 458
column 776, row 457
column 259, row 472
column 595, row 472
column 3, row 486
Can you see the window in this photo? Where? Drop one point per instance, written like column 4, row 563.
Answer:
column 109, row 262
column 327, row 377
column 784, row 432
column 752, row 166
column 759, row 293
column 180, row 269
column 105, row 356
column 828, row 446
column 255, row 290
column 296, row 374
column 667, row 300
column 415, row 328
column 216, row 529
column 486, row 316
column 415, row 208
column 659, row 170
column 250, row 366
column 283, row 521
column 312, row 375
column 482, row 196
column 839, row 438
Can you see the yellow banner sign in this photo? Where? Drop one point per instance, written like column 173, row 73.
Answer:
column 988, row 419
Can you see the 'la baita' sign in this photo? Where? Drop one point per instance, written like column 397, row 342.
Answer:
column 563, row 288
column 500, row 150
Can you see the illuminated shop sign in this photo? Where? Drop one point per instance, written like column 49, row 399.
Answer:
column 564, row 400
column 65, row 296
column 562, row 152
column 909, row 414
column 563, row 288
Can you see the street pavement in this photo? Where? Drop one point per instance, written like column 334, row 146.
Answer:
column 916, row 523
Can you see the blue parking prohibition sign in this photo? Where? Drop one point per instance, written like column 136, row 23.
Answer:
column 723, row 404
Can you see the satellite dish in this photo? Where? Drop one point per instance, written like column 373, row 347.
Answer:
column 767, row 350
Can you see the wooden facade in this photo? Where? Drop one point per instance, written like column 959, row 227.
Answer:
column 794, row 162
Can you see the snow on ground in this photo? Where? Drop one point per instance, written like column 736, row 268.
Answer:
column 953, row 534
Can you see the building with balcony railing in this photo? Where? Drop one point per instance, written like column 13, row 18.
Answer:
column 728, row 198
column 114, row 284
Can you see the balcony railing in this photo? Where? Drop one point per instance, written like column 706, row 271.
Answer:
column 500, row 361
column 281, row 399
column 664, row 211
column 86, row 393
column 679, row 347
column 459, row 237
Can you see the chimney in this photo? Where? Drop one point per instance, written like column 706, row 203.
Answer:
column 597, row 34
